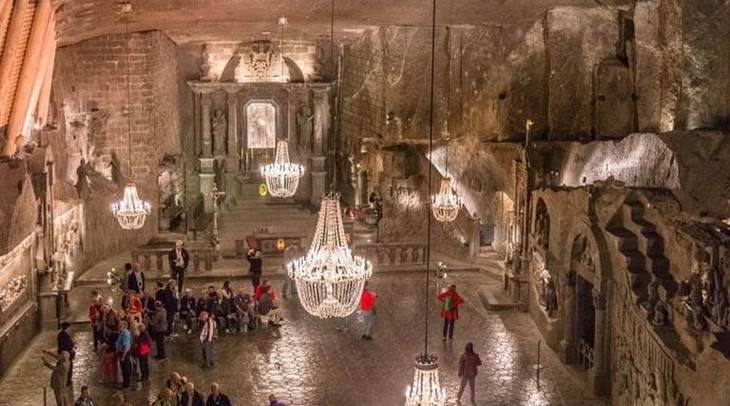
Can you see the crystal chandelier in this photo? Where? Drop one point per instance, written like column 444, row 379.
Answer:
column 282, row 177
column 426, row 390
column 445, row 205
column 330, row 278
column 131, row 211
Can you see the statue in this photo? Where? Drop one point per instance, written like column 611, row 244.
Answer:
column 220, row 127
column 659, row 317
column 305, row 123
column 695, row 304
column 205, row 74
column 82, row 181
column 551, row 297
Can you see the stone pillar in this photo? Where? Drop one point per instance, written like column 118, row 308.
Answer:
column 568, row 343
column 318, row 169
column 474, row 240
column 232, row 157
column 196, row 144
column 598, row 376
column 207, row 141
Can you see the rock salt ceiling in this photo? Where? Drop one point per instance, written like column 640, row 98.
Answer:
column 231, row 20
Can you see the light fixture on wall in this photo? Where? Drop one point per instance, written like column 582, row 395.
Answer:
column 426, row 389
column 446, row 204
column 131, row 212
column 330, row 278
column 282, row 177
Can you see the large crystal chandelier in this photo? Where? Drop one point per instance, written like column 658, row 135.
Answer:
column 445, row 205
column 282, row 177
column 426, row 389
column 330, row 278
column 131, row 211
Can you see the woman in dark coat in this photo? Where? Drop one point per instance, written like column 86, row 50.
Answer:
column 468, row 364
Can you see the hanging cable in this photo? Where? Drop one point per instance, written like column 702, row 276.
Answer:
column 129, row 89
column 430, row 175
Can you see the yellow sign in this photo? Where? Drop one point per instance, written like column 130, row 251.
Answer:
column 263, row 190
column 280, row 244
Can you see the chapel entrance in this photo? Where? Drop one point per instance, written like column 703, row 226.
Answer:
column 585, row 323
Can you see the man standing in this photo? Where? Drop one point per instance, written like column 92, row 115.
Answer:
column 178, row 263
column 191, row 397
column 290, row 254
column 159, row 325
column 216, row 397
column 367, row 310
column 208, row 334
column 59, row 376
column 256, row 266
column 450, row 302
column 171, row 303
column 64, row 342
column 122, row 346
column 135, row 280
column 468, row 364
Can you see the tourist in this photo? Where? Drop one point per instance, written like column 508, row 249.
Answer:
column 85, row 397
column 135, row 280
column 179, row 260
column 450, row 302
column 142, row 348
column 191, row 397
column 59, row 376
column 255, row 266
column 243, row 310
column 175, row 384
column 159, row 326
column 188, row 310
column 95, row 308
column 212, row 301
column 216, row 398
column 274, row 402
column 109, row 359
column 290, row 254
column 166, row 398
column 367, row 311
column 227, row 311
column 170, row 301
column 208, row 335
column 148, row 306
column 64, row 342
column 109, row 320
column 134, row 306
column 259, row 290
column 267, row 307
column 123, row 345
column 468, row 364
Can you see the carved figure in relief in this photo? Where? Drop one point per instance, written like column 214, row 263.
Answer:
column 220, row 127
column 305, row 122
column 551, row 297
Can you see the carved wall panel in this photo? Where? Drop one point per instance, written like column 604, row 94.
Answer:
column 261, row 125
column 67, row 232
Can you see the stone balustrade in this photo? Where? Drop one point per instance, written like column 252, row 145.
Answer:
column 145, row 255
column 388, row 254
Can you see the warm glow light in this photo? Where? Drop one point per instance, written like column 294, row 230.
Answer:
column 445, row 205
column 330, row 278
column 131, row 211
column 426, row 389
column 282, row 177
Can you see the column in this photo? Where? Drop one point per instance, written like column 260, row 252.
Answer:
column 196, row 144
column 321, row 130
column 232, row 157
column 207, row 141
column 598, row 376
column 568, row 343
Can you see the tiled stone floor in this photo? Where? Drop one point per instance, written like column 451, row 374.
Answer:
column 309, row 363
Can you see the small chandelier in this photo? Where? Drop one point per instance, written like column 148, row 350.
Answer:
column 426, row 389
column 445, row 205
column 282, row 177
column 131, row 211
column 330, row 278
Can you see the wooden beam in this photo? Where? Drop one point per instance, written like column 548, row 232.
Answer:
column 46, row 56
column 13, row 38
column 44, row 99
column 28, row 74
column 6, row 6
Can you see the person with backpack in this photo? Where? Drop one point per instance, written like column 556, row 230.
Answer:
column 450, row 302
column 468, row 364
column 208, row 335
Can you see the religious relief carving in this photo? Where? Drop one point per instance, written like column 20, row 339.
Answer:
column 583, row 253
column 305, row 123
column 704, row 296
column 542, row 226
column 12, row 292
column 261, row 125
column 219, row 125
column 170, row 185
column 547, row 294
column 67, row 235
column 261, row 61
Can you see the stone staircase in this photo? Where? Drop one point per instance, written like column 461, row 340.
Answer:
column 642, row 248
column 252, row 211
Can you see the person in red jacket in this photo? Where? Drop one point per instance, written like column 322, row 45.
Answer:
column 367, row 310
column 142, row 347
column 450, row 302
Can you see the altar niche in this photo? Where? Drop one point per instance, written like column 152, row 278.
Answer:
column 260, row 127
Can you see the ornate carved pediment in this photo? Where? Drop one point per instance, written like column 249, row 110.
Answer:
column 260, row 61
